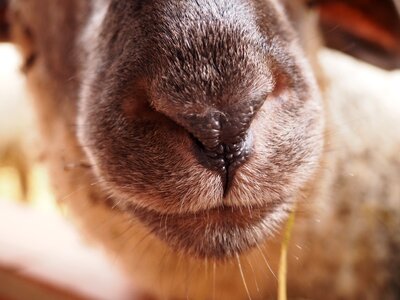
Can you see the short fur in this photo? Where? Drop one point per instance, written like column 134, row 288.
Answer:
column 114, row 94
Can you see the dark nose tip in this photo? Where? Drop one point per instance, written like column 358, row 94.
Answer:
column 224, row 158
column 223, row 140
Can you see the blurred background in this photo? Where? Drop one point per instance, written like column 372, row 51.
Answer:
column 41, row 254
column 22, row 177
column 43, row 257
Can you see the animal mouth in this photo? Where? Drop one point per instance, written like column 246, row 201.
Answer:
column 217, row 233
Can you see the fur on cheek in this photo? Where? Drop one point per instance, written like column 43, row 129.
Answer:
column 159, row 179
column 287, row 154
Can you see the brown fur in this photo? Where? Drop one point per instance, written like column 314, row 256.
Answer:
column 115, row 96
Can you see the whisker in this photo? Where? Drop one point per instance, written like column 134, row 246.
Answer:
column 242, row 275
column 254, row 275
column 266, row 262
column 81, row 188
column 214, row 279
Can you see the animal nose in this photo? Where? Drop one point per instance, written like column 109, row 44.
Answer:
column 222, row 146
column 224, row 158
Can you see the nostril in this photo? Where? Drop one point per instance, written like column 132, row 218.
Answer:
column 210, row 157
column 224, row 159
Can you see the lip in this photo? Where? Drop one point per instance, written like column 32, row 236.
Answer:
column 218, row 233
